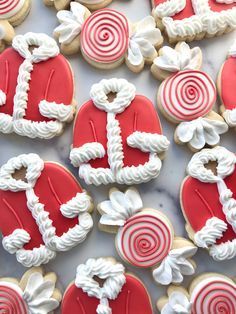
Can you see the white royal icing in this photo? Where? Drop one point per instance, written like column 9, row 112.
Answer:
column 230, row 117
column 175, row 265
column 200, row 132
column 178, row 303
column 223, row 251
column 226, row 1
column 117, row 171
column 143, row 39
column 179, row 59
column 75, row 207
column 169, row 8
column 114, row 278
column 70, row 23
column 232, row 50
column 46, row 49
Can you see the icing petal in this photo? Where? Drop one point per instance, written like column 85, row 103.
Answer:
column 178, row 304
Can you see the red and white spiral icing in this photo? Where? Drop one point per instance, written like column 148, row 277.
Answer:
column 214, row 295
column 104, row 36
column 145, row 240
column 188, row 95
column 11, row 300
column 8, row 8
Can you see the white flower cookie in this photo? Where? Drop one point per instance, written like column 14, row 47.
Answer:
column 187, row 96
column 35, row 293
column 145, row 237
column 106, row 38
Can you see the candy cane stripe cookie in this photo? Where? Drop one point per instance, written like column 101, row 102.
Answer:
column 15, row 11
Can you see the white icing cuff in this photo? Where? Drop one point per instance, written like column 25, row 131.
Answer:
column 35, row 257
column 6, row 123
column 60, row 112
column 174, row 266
column 82, row 202
column 169, row 8
column 212, row 231
column 148, row 142
column 3, row 98
column 230, row 117
column 15, row 241
column 231, row 218
column 86, row 153
column 223, row 251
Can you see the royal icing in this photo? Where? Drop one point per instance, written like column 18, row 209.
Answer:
column 36, row 297
column 9, row 8
column 145, row 237
column 211, row 293
column 106, row 37
column 27, row 229
column 119, row 292
column 121, row 139
column 212, row 194
column 27, row 107
column 195, row 18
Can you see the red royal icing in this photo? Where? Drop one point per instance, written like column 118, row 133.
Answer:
column 140, row 115
column 145, row 240
column 188, row 95
column 54, row 187
column 46, row 83
column 11, row 301
column 200, row 202
column 105, row 36
column 227, row 83
column 133, row 299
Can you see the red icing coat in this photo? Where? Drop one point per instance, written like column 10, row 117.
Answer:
column 54, row 191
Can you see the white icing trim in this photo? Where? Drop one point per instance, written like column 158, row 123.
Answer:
column 125, row 94
column 200, row 132
column 60, row 112
column 178, row 303
column 223, row 251
column 226, row 1
column 169, row 8
column 75, row 207
column 3, row 98
column 175, row 265
column 213, row 230
column 148, row 142
column 16, row 240
column 230, row 117
column 86, row 153
column 114, row 278
column 120, row 207
column 232, row 50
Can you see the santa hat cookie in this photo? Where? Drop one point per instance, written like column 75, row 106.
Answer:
column 194, row 19
column 6, row 34
column 114, row 291
column 145, row 237
column 208, row 293
column 211, row 193
column 35, row 293
column 121, row 139
column 90, row 4
column 187, row 95
column 39, row 215
column 14, row 11
column 34, row 101
column 106, row 38
column 226, row 87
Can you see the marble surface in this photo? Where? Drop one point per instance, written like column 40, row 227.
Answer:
column 162, row 193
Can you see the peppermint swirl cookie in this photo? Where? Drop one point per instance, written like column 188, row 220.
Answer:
column 14, row 11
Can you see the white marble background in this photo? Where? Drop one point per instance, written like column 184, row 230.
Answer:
column 162, row 193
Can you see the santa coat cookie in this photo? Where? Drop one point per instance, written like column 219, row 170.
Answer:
column 187, row 95
column 119, row 292
column 14, row 11
column 35, row 293
column 39, row 215
column 106, row 38
column 208, row 293
column 121, row 140
column 34, row 100
column 90, row 4
column 212, row 195
column 145, row 237
column 194, row 19
column 226, row 87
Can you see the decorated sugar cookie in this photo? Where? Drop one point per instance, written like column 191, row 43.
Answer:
column 106, row 38
column 145, row 237
column 209, row 190
column 6, row 34
column 187, row 95
column 194, row 19
column 117, row 136
column 34, row 100
column 226, row 87
column 14, row 11
column 35, row 293
column 43, row 210
column 91, row 4
column 208, row 293
column 101, row 286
